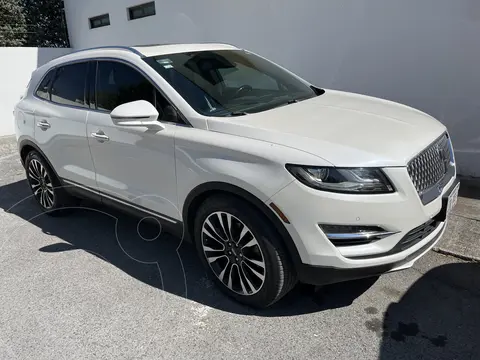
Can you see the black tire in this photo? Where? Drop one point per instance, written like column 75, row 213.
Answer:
column 58, row 197
column 279, row 275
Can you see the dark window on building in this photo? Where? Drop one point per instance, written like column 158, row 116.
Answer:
column 43, row 90
column 99, row 21
column 68, row 86
column 141, row 11
column 118, row 84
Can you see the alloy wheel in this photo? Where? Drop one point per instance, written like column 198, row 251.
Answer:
column 233, row 253
column 41, row 184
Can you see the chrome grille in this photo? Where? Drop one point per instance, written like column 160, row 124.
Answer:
column 431, row 165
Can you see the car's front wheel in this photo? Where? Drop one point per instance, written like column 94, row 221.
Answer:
column 45, row 185
column 242, row 251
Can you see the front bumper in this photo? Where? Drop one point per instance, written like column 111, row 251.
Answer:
column 322, row 262
column 320, row 275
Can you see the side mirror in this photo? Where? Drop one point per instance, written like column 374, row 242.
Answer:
column 136, row 113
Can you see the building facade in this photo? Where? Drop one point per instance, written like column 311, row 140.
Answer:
column 421, row 53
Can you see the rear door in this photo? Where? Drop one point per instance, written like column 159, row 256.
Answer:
column 60, row 120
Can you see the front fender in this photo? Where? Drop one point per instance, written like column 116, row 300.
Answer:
column 203, row 156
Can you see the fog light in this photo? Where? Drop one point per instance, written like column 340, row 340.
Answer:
column 349, row 235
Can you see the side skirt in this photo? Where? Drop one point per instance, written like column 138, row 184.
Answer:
column 172, row 226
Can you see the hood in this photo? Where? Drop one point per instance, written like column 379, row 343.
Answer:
column 342, row 128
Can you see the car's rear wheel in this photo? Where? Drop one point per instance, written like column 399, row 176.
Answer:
column 242, row 251
column 45, row 186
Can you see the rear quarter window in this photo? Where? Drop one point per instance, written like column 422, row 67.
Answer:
column 43, row 90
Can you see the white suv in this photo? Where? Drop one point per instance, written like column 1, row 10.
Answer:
column 273, row 179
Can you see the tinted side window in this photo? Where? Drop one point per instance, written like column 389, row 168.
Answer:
column 68, row 87
column 118, row 84
column 44, row 87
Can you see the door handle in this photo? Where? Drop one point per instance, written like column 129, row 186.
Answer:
column 100, row 136
column 44, row 125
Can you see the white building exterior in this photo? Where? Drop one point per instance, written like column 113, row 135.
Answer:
column 422, row 53
column 16, row 67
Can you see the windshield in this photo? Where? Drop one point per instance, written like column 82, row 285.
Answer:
column 229, row 82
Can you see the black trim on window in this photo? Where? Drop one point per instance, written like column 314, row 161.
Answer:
column 58, row 73
column 53, row 72
column 85, row 86
column 141, row 11
column 90, row 86
column 99, row 21
column 182, row 119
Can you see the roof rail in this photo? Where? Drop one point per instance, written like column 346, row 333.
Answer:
column 179, row 43
column 147, row 45
column 127, row 48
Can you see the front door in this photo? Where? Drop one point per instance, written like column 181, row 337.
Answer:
column 134, row 166
column 60, row 120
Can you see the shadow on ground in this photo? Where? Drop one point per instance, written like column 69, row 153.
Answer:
column 113, row 237
column 470, row 188
column 437, row 318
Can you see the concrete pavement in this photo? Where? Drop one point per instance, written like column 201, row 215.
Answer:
column 462, row 237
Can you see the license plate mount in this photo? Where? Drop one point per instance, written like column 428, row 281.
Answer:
column 449, row 200
column 452, row 199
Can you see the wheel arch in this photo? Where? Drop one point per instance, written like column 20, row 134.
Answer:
column 200, row 193
column 26, row 146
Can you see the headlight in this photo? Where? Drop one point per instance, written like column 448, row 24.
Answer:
column 342, row 180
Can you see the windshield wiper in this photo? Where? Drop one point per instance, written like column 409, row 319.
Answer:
column 238, row 113
column 274, row 100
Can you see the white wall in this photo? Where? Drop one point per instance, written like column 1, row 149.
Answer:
column 16, row 67
column 422, row 53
